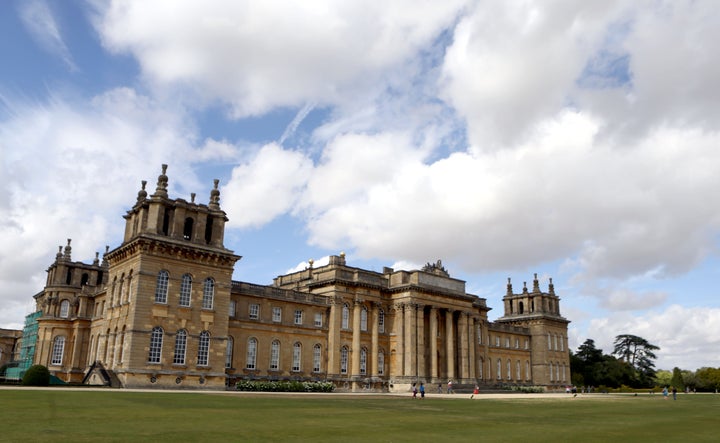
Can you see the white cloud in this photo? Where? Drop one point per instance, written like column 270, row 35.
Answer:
column 688, row 337
column 261, row 55
column 41, row 24
column 267, row 186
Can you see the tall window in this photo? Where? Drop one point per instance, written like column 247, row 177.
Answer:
column 509, row 370
column 343, row 360
column 277, row 314
column 208, row 293
column 499, row 369
column 275, row 355
column 318, row 320
column 298, row 317
column 317, row 358
column 254, row 312
column 156, row 339
column 381, row 363
column 229, row 352
column 231, row 308
column 161, row 289
column 363, row 318
column 518, row 375
column 64, row 309
column 562, row 343
column 185, row 290
column 297, row 354
column 345, row 317
column 57, row 351
column 129, row 287
column 549, row 342
column 527, row 370
column 363, row 361
column 517, row 343
column 203, row 348
column 180, row 347
column 381, row 321
column 251, row 354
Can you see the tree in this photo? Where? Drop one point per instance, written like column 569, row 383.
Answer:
column 677, row 379
column 638, row 353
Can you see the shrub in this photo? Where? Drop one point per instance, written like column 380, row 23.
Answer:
column 36, row 375
column 285, row 386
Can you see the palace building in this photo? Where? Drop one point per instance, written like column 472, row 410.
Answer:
column 161, row 310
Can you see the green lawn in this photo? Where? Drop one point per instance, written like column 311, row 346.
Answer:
column 76, row 416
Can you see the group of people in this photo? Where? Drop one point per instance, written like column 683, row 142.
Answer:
column 415, row 391
column 665, row 393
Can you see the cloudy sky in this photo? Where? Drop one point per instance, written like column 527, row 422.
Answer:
column 578, row 140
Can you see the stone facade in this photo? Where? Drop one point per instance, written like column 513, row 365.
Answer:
column 161, row 310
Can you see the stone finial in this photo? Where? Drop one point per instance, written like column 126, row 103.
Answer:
column 59, row 254
column 551, row 287
column 536, row 284
column 97, row 259
column 162, row 184
column 142, row 193
column 107, row 249
column 68, row 250
column 192, row 197
column 215, row 196
column 525, row 290
column 311, row 262
column 509, row 287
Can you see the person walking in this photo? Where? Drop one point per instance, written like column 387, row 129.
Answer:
column 674, row 391
column 450, row 388
column 422, row 391
column 414, row 391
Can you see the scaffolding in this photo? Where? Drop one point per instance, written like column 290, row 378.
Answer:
column 27, row 349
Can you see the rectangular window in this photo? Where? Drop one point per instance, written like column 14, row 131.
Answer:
column 507, row 342
column 275, row 356
column 57, row 352
column 517, row 343
column 317, row 358
column 203, row 348
column 298, row 317
column 297, row 349
column 527, row 344
column 254, row 312
column 232, row 308
column 318, row 320
column 277, row 314
column 497, row 340
column 381, row 321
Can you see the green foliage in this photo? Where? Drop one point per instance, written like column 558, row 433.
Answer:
column 285, row 386
column 708, row 379
column 528, row 389
column 677, row 379
column 638, row 353
column 631, row 364
column 663, row 378
column 36, row 375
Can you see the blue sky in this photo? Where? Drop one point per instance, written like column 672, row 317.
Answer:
column 576, row 140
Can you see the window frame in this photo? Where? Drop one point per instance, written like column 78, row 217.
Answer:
column 180, row 350
column 58, row 351
column 156, row 342
column 162, row 285
column 208, row 299
column 185, row 298
column 203, row 357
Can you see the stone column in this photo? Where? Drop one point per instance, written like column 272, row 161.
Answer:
column 472, row 339
column 333, row 351
column 420, row 348
column 399, row 326
column 374, row 346
column 433, row 343
column 463, row 338
column 410, row 340
column 356, row 339
column 449, row 344
column 77, row 348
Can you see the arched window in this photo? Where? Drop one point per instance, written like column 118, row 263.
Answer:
column 156, row 339
column 363, row 318
column 317, row 358
column 64, row 309
column 345, row 316
column 185, row 290
column 381, row 363
column 208, row 293
column 275, row 355
column 563, row 373
column 480, row 369
column 57, row 351
column 180, row 347
column 499, row 369
column 509, row 369
column 229, row 352
column 188, row 228
column 121, row 290
column 208, row 229
column 297, row 356
column 129, row 287
column 363, row 361
column 518, row 375
column 84, row 279
column 551, row 371
column 203, row 348
column 251, row 354
column 549, row 342
column 522, row 307
column 161, row 289
column 122, row 345
column 344, row 360
column 381, row 321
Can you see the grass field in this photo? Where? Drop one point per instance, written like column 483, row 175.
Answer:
column 80, row 415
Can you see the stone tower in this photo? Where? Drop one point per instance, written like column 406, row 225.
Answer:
column 539, row 312
column 168, row 294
